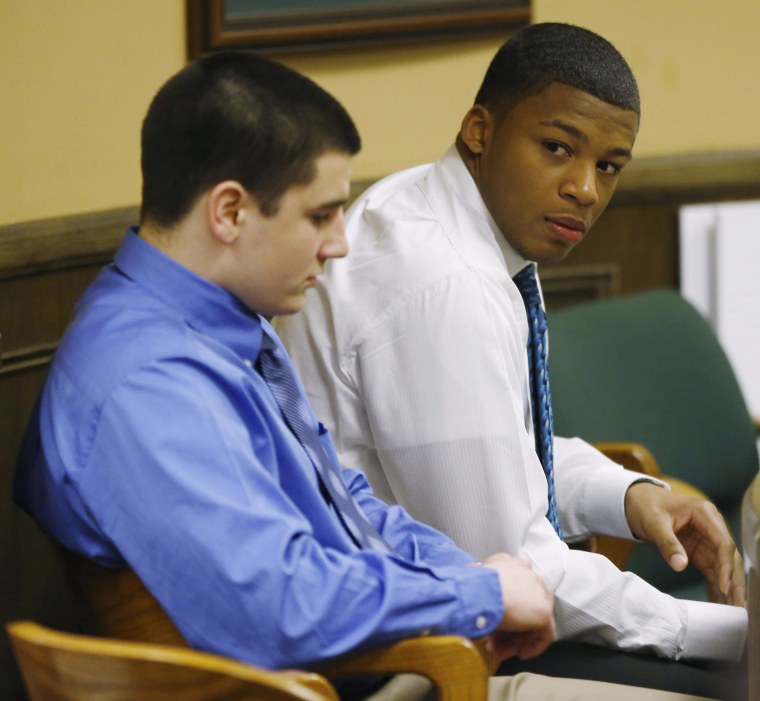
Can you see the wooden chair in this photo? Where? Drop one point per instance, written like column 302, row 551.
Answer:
column 63, row 667
column 751, row 540
column 116, row 604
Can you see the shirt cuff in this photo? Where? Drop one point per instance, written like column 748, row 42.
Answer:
column 481, row 607
column 606, row 500
column 714, row 632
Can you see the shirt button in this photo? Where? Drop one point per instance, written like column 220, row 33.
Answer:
column 248, row 363
column 481, row 622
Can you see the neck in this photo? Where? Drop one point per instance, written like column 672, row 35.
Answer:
column 469, row 158
column 186, row 243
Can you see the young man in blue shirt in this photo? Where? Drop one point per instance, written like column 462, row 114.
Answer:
column 173, row 436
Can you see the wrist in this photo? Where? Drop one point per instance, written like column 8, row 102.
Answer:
column 635, row 504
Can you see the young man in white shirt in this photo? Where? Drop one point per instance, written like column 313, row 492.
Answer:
column 413, row 350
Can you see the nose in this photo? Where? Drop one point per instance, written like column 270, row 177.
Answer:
column 580, row 183
column 335, row 244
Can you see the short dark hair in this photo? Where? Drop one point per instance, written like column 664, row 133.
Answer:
column 235, row 115
column 553, row 52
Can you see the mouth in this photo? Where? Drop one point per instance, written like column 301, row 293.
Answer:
column 569, row 229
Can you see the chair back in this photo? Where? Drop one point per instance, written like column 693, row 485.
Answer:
column 648, row 368
column 63, row 667
column 751, row 540
column 116, row 604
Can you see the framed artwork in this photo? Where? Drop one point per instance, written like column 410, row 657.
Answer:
column 297, row 25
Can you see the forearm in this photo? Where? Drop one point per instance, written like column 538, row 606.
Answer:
column 598, row 604
column 411, row 539
column 322, row 604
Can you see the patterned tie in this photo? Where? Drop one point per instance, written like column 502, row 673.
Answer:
column 295, row 411
column 540, row 396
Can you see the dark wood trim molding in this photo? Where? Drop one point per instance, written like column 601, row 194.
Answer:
column 61, row 242
column 563, row 286
column 27, row 358
column 703, row 177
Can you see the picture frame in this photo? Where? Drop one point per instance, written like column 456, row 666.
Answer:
column 303, row 25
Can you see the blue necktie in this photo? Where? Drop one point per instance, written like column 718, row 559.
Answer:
column 292, row 403
column 540, row 396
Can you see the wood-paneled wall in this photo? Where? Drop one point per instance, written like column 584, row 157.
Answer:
column 45, row 266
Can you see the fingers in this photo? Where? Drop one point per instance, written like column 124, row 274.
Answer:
column 533, row 644
column 737, row 595
column 714, row 553
column 684, row 528
column 528, row 601
column 660, row 531
column 502, row 645
column 648, row 509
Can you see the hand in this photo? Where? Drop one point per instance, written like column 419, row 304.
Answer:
column 685, row 528
column 527, row 627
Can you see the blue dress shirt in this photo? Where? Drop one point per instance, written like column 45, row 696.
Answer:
column 157, row 445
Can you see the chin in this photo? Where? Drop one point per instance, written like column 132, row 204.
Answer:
column 291, row 306
column 552, row 253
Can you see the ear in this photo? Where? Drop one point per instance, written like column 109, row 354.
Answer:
column 226, row 210
column 476, row 128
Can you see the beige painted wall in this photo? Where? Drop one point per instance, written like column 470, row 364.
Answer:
column 76, row 78
column 78, row 75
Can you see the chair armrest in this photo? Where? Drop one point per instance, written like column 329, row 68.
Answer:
column 632, row 456
column 635, row 456
column 453, row 664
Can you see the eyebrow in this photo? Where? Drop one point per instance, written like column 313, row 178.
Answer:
column 578, row 134
column 341, row 202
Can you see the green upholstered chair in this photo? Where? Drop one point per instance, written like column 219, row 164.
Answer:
column 648, row 368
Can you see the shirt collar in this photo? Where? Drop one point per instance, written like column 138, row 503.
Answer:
column 464, row 185
column 205, row 306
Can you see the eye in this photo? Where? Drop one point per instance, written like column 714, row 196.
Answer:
column 321, row 218
column 609, row 168
column 556, row 148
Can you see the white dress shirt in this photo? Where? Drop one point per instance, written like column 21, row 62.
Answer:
column 413, row 352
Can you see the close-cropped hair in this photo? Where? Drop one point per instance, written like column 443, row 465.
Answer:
column 236, row 116
column 553, row 52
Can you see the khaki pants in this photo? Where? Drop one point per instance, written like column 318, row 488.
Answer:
column 531, row 687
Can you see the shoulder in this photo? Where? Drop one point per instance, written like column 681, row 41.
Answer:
column 397, row 241
column 117, row 331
